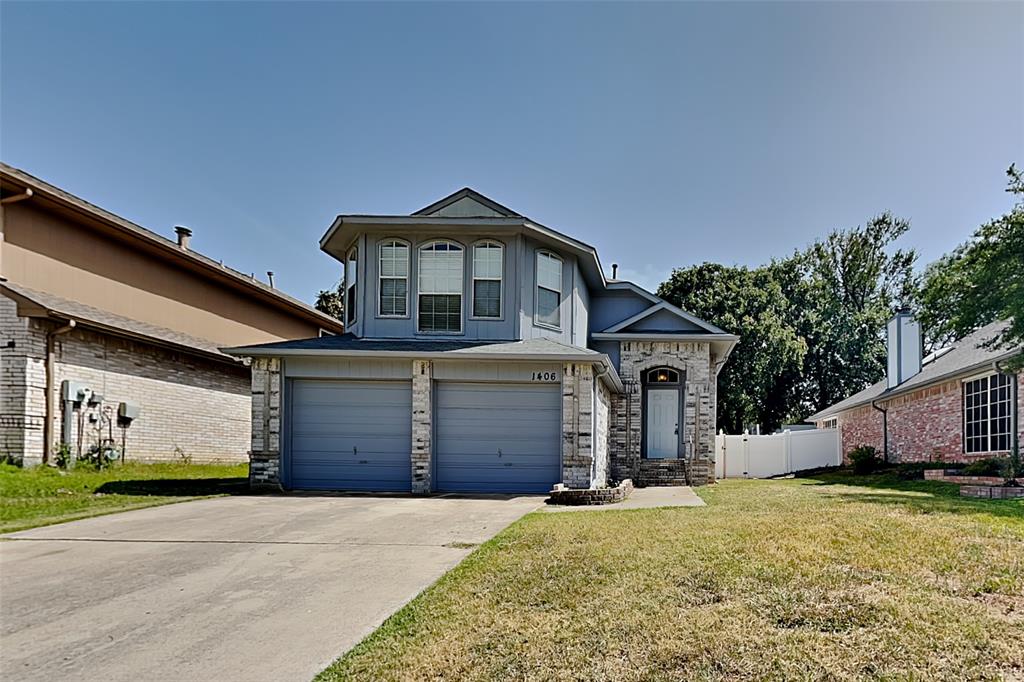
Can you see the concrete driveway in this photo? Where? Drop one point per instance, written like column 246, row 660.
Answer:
column 234, row 588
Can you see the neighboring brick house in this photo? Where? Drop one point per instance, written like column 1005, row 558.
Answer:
column 94, row 305
column 956, row 406
column 485, row 353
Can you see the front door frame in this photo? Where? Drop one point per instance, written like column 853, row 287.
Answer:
column 646, row 385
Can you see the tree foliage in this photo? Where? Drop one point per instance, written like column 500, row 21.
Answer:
column 811, row 326
column 332, row 302
column 982, row 280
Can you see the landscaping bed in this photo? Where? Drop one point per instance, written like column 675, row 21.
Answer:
column 833, row 577
column 41, row 496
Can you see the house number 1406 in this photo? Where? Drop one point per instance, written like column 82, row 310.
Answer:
column 545, row 376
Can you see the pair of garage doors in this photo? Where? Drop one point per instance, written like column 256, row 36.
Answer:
column 357, row 435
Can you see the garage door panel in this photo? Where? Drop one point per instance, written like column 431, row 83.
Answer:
column 474, row 421
column 350, row 435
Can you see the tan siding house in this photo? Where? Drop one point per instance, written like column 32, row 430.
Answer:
column 93, row 304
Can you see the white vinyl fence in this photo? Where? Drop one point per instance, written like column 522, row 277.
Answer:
column 749, row 456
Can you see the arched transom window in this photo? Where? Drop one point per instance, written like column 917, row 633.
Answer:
column 440, row 288
column 662, row 375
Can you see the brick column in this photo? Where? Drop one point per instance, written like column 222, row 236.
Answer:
column 422, row 424
column 265, row 454
column 577, row 425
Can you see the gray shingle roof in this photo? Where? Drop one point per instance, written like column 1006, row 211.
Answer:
column 349, row 342
column 967, row 355
column 94, row 317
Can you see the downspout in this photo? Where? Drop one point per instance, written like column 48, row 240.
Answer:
column 27, row 194
column 885, row 430
column 51, row 337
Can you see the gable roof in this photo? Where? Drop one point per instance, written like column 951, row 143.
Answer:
column 679, row 313
column 468, row 197
column 17, row 180
column 966, row 356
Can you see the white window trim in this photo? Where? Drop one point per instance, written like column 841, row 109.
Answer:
column 351, row 321
column 407, row 278
column 462, row 294
column 473, row 278
column 537, row 322
column 963, row 412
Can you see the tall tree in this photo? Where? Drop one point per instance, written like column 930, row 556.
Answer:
column 982, row 280
column 753, row 385
column 332, row 302
column 852, row 281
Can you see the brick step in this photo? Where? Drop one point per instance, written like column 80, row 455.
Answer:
column 661, row 472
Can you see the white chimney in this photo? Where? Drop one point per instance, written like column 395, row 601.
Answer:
column 905, row 347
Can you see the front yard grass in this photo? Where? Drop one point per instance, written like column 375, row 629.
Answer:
column 835, row 577
column 41, row 496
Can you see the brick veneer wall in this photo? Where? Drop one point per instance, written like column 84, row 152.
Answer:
column 924, row 425
column 693, row 358
column 422, row 429
column 602, row 419
column 577, row 425
column 265, row 443
column 190, row 406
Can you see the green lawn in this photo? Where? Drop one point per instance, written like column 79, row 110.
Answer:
column 828, row 578
column 42, row 495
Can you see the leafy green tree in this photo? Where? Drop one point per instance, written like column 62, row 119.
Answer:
column 851, row 283
column 982, row 280
column 332, row 302
column 811, row 326
column 754, row 386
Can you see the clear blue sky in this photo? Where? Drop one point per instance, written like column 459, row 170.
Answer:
column 664, row 134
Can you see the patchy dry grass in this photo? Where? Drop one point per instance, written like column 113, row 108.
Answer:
column 835, row 577
column 43, row 495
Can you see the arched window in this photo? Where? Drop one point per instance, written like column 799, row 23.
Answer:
column 393, row 279
column 549, row 290
column 488, row 266
column 662, row 375
column 440, row 288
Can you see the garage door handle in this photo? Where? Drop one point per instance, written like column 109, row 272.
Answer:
column 355, row 451
column 499, row 452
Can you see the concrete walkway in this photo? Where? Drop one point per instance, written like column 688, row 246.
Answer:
column 642, row 498
column 236, row 588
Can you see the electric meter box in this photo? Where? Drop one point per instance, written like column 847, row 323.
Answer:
column 75, row 391
column 127, row 411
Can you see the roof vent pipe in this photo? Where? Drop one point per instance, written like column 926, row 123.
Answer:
column 615, row 270
column 270, row 276
column 184, row 236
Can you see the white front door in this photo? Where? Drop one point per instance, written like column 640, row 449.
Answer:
column 662, row 423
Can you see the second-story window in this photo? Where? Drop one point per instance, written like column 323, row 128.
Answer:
column 350, row 286
column 549, row 289
column 439, row 308
column 487, row 274
column 393, row 276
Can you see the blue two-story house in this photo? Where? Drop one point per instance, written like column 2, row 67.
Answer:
column 484, row 352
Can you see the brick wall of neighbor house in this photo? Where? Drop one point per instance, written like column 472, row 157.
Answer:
column 265, row 445
column 22, row 385
column 924, row 425
column 693, row 358
column 189, row 406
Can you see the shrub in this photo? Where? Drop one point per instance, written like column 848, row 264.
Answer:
column 988, row 466
column 864, row 459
